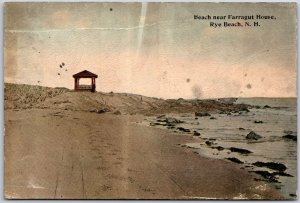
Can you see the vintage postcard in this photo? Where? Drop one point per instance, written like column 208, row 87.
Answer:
column 150, row 100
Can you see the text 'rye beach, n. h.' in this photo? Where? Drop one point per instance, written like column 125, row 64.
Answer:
column 234, row 20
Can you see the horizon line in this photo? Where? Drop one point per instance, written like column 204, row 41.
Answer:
column 257, row 97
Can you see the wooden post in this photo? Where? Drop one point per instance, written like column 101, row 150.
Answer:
column 93, row 85
column 76, row 83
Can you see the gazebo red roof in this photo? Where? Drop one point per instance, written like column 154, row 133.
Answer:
column 85, row 74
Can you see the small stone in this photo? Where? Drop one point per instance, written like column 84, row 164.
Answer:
column 103, row 110
column 239, row 150
column 267, row 175
column 117, row 112
column 160, row 116
column 290, row 137
column 202, row 114
column 253, row 136
column 235, row 160
column 219, row 148
column 183, row 129
column 271, row 165
column 209, row 143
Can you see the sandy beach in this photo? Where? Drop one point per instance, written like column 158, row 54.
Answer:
column 62, row 150
column 150, row 100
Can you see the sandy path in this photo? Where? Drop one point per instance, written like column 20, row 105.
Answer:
column 65, row 154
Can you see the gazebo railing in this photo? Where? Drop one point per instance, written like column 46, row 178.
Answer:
column 84, row 87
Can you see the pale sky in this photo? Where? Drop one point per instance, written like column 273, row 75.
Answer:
column 153, row 49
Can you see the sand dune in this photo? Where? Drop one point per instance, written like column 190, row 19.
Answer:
column 27, row 96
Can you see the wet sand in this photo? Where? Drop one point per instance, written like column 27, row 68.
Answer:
column 57, row 154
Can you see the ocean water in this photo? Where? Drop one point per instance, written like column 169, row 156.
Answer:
column 231, row 130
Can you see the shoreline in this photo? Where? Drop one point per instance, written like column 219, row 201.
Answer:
column 82, row 155
column 236, row 147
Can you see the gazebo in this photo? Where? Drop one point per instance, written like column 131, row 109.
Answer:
column 85, row 74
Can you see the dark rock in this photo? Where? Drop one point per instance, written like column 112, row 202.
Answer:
column 267, row 175
column 117, row 112
column 155, row 124
column 201, row 114
column 160, row 116
column 169, row 121
column 218, row 148
column 168, row 124
column 271, row 165
column 293, row 195
column 213, row 139
column 244, row 108
column 196, row 118
column 228, row 114
column 239, row 150
column 209, row 143
column 241, row 128
column 280, row 173
column 290, row 137
column 266, row 107
column 253, row 136
column 173, row 120
column 103, row 110
column 196, row 133
column 183, row 129
column 212, row 118
column 258, row 121
column 235, row 160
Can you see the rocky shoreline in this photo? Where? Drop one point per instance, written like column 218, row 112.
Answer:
column 268, row 171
